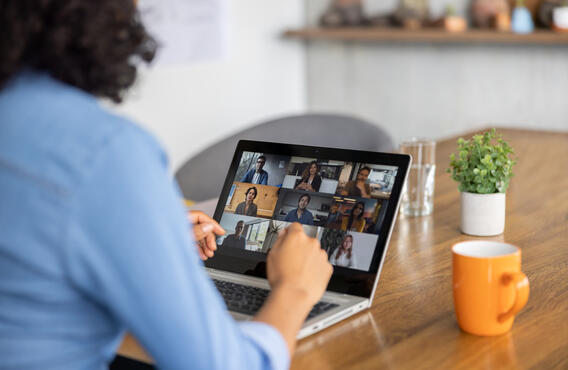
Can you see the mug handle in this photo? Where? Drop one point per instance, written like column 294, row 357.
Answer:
column 521, row 293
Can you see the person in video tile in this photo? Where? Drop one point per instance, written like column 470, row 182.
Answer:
column 355, row 221
column 343, row 256
column 236, row 240
column 359, row 187
column 248, row 208
column 334, row 217
column 257, row 175
column 301, row 214
column 311, row 180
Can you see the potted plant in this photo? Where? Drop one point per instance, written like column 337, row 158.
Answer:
column 483, row 169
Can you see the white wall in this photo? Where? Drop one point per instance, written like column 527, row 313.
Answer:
column 263, row 75
column 433, row 90
column 415, row 89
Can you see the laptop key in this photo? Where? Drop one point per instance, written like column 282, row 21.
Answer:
column 248, row 300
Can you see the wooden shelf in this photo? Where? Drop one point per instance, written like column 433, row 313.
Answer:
column 540, row 37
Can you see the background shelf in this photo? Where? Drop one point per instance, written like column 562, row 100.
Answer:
column 540, row 37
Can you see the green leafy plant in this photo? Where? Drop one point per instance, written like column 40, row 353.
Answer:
column 483, row 164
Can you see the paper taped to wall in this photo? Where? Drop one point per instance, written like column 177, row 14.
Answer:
column 186, row 30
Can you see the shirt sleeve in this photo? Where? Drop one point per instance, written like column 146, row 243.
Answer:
column 130, row 251
column 353, row 262
column 317, row 183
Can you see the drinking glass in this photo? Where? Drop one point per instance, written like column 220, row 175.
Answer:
column 418, row 192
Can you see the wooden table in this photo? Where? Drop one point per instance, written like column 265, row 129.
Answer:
column 412, row 325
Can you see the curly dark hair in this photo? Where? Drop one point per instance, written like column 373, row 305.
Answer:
column 93, row 45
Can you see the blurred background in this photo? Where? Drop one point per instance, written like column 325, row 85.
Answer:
column 428, row 68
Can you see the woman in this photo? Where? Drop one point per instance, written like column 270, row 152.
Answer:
column 358, row 187
column 343, row 256
column 355, row 221
column 94, row 239
column 248, row 208
column 310, row 180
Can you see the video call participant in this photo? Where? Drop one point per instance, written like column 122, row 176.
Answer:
column 355, row 221
column 236, row 240
column 334, row 217
column 257, row 175
column 248, row 208
column 301, row 214
column 359, row 187
column 310, row 180
column 343, row 256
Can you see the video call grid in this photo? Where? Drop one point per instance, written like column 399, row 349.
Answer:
column 322, row 195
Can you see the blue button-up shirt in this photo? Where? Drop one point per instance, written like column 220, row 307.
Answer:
column 307, row 218
column 94, row 241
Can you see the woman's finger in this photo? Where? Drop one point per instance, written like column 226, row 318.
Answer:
column 200, row 252
column 198, row 233
column 198, row 217
column 211, row 242
column 202, row 231
column 208, row 252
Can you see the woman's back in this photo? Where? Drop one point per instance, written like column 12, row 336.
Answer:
column 53, row 138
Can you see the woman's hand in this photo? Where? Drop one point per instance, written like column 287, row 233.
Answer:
column 205, row 230
column 309, row 187
column 304, row 186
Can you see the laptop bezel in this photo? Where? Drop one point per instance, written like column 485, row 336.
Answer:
column 344, row 280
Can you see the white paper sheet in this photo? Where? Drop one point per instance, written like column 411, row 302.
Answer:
column 186, row 30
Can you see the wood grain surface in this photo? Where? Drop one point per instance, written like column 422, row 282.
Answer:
column 411, row 324
column 428, row 35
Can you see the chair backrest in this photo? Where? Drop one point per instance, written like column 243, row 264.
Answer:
column 203, row 175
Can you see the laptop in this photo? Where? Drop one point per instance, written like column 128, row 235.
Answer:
column 347, row 199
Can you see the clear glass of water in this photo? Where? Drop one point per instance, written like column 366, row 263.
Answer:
column 418, row 193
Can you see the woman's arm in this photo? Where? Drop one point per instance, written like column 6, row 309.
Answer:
column 253, row 209
column 240, row 209
column 130, row 251
column 344, row 222
column 316, row 183
column 301, row 184
column 298, row 272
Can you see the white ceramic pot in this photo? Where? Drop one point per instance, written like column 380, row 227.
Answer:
column 560, row 18
column 482, row 214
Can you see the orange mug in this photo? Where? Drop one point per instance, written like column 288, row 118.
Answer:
column 489, row 287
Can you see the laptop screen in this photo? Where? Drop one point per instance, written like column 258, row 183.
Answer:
column 341, row 200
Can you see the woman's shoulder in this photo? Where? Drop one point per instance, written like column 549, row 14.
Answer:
column 55, row 124
column 41, row 103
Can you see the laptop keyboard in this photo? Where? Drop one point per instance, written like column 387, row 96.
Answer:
column 248, row 299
